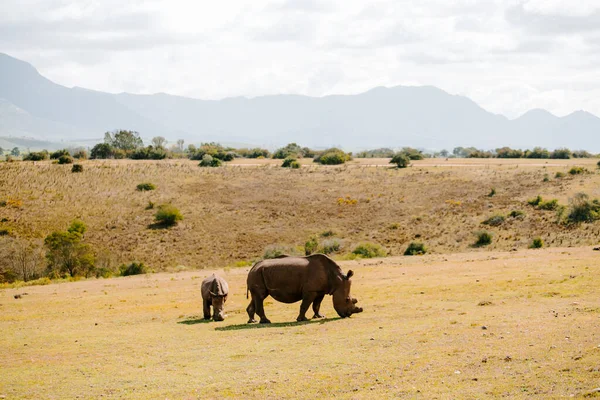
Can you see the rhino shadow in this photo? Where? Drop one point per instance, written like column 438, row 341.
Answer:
column 194, row 321
column 239, row 327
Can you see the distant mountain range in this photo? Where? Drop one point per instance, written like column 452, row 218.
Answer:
column 425, row 117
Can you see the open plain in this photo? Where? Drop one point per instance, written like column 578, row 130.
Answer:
column 473, row 325
column 461, row 321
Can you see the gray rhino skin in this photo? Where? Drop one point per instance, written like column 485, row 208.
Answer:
column 214, row 292
column 291, row 279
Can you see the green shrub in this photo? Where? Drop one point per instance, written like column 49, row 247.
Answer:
column 598, row 164
column 369, row 250
column 577, row 171
column 145, row 186
column 546, row 178
column 327, row 233
column 36, row 156
column 537, row 243
column 494, row 220
column 401, row 160
column 549, row 205
column 295, row 165
column 168, row 214
column 333, row 156
column 535, row 201
column 311, row 245
column 517, row 214
column 330, row 246
column 81, row 155
column 65, row 159
column 5, row 232
column 77, row 168
column 150, row 205
column 483, row 238
column 415, row 248
column 59, row 153
column 287, row 163
column 492, row 192
column 559, row 175
column 132, row 269
column 581, row 209
column 209, row 161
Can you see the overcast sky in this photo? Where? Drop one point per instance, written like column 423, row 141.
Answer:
column 507, row 55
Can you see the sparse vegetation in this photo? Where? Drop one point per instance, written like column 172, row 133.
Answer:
column 582, row 209
column 134, row 268
column 329, row 246
column 401, row 160
column 415, row 249
column 537, row 243
column 77, row 168
column 494, row 220
column 145, row 186
column 484, row 238
column 168, row 215
column 369, row 250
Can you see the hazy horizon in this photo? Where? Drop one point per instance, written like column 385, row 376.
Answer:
column 508, row 56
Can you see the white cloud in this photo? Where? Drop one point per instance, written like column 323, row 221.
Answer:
column 507, row 55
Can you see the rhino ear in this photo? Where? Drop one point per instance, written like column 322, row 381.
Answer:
column 350, row 274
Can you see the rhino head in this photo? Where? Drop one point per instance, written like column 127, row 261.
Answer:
column 343, row 303
column 218, row 297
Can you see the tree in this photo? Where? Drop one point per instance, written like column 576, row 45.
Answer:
column 159, row 142
column 401, row 160
column 66, row 254
column 102, row 150
column 180, row 143
column 123, row 140
column 291, row 149
column 15, row 152
column 1, row 151
column 444, row 153
column 25, row 259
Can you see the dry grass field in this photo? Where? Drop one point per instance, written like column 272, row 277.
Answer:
column 231, row 214
column 471, row 325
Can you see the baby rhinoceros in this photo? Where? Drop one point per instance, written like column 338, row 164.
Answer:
column 214, row 293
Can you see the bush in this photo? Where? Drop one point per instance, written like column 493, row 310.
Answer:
column 483, row 238
column 559, row 175
column 149, row 153
column 168, row 214
column 582, row 209
column 132, row 269
column 311, row 246
column 495, row 220
column 535, row 201
column 145, row 186
column 598, row 164
column 517, row 214
column 77, row 168
column 65, row 160
column 492, row 192
column 577, row 171
column 36, row 156
column 80, row 155
column 59, row 153
column 291, row 150
column 330, row 246
column 549, row 205
column 563, row 154
column 537, row 243
column 333, row 156
column 401, row 160
column 209, row 161
column 295, row 165
column 415, row 248
column 102, row 150
column 369, row 250
column 287, row 163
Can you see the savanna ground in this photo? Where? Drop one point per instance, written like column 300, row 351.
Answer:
column 473, row 325
column 459, row 322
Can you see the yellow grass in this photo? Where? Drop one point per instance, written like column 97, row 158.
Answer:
column 421, row 335
column 231, row 214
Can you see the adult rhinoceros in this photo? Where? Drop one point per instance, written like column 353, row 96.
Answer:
column 291, row 279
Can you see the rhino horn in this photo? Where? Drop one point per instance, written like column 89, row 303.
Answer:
column 350, row 274
column 212, row 294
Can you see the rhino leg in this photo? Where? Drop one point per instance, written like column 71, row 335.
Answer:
column 258, row 300
column 251, row 310
column 317, row 306
column 206, row 308
column 306, row 302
